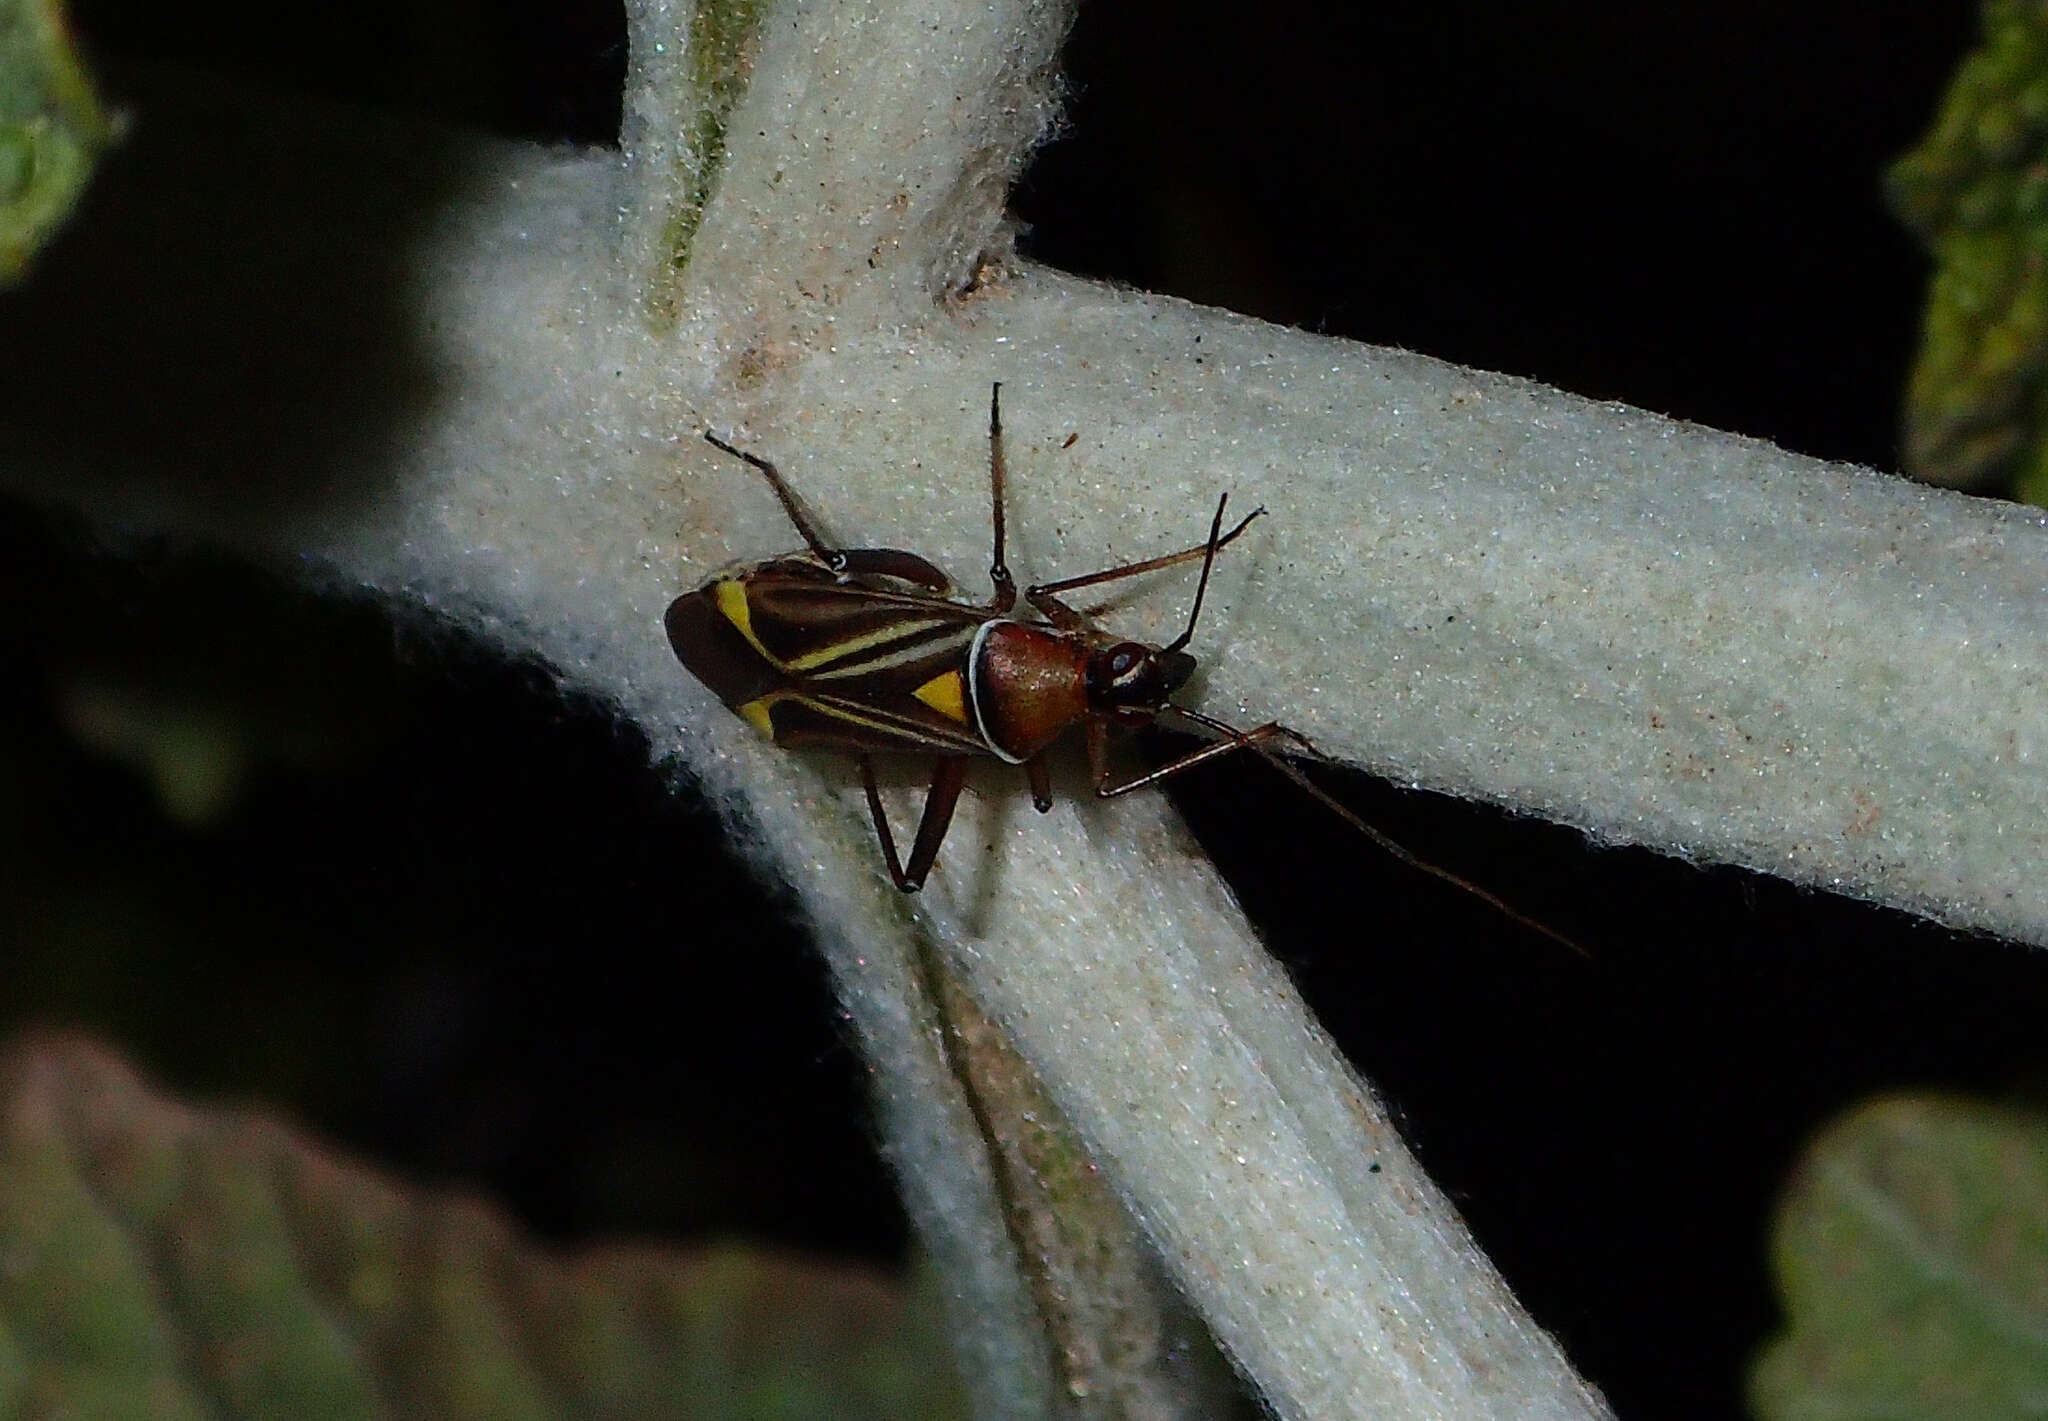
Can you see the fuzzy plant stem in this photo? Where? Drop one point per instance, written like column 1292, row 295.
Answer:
column 470, row 377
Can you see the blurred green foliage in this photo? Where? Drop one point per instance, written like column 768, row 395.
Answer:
column 316, row 852
column 1911, row 1251
column 173, row 1263
column 1975, row 191
column 52, row 129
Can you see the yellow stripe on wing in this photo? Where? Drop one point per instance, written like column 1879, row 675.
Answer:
column 731, row 595
column 897, row 732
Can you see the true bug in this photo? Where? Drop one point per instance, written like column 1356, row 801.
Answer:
column 863, row 651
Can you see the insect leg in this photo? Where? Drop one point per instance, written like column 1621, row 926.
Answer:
column 1036, row 770
column 1056, row 611
column 827, row 554
column 1098, row 753
column 1255, row 739
column 867, row 779
column 947, row 780
column 998, row 571
column 893, row 562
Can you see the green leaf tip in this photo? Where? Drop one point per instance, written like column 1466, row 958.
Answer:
column 53, row 130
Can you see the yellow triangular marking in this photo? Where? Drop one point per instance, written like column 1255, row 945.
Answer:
column 755, row 713
column 945, row 694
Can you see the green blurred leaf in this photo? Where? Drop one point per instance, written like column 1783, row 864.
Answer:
column 1975, row 191
column 1912, row 1255
column 52, row 129
column 167, row 1262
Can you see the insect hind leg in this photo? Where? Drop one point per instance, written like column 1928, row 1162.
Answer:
column 894, row 562
column 948, row 779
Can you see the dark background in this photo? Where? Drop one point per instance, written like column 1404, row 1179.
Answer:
column 452, row 921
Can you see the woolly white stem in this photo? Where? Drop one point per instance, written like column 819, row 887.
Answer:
column 1666, row 635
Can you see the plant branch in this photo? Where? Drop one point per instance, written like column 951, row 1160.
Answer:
column 1663, row 634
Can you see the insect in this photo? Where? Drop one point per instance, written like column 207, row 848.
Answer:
column 865, row 651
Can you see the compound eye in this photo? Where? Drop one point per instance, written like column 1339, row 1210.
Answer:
column 1122, row 674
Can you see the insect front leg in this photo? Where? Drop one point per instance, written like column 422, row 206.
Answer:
column 948, row 778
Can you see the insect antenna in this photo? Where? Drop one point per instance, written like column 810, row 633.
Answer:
column 1202, row 584
column 786, row 495
column 1387, row 845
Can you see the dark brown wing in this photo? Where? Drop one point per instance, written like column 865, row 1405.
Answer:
column 809, row 660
